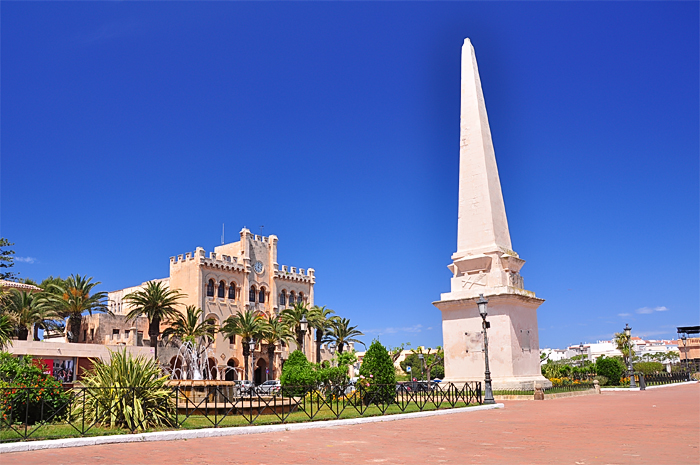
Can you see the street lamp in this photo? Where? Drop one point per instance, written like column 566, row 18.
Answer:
column 488, row 392
column 303, row 325
column 251, row 348
column 421, row 358
column 628, row 333
column 684, row 339
column 580, row 349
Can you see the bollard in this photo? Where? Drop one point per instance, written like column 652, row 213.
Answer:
column 642, row 384
column 539, row 393
column 596, row 386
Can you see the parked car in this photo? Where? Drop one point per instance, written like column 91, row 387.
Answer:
column 245, row 386
column 269, row 388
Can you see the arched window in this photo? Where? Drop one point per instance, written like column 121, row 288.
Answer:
column 300, row 299
column 232, row 291
column 251, row 294
column 292, row 298
column 222, row 289
column 210, row 288
column 261, row 298
column 283, row 298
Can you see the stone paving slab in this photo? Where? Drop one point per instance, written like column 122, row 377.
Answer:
column 660, row 426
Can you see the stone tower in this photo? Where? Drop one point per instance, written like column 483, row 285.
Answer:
column 485, row 263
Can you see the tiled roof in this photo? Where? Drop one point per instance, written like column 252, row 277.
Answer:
column 21, row 286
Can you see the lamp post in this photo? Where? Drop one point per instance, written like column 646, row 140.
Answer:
column 422, row 363
column 684, row 339
column 580, row 349
column 628, row 333
column 251, row 348
column 488, row 392
column 303, row 325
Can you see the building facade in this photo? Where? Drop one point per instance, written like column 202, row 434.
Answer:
column 238, row 276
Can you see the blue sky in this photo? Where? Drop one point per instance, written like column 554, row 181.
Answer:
column 131, row 131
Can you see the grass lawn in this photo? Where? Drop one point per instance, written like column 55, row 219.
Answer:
column 65, row 430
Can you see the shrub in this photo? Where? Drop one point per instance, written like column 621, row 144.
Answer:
column 649, row 367
column 611, row 368
column 297, row 374
column 378, row 376
column 127, row 392
column 45, row 400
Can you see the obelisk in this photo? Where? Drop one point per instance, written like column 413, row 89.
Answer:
column 485, row 263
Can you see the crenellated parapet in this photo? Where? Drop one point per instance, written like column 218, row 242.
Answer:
column 216, row 261
column 292, row 273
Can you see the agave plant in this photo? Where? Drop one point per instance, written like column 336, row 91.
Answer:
column 126, row 392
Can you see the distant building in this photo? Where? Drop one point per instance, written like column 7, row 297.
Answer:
column 597, row 349
column 234, row 277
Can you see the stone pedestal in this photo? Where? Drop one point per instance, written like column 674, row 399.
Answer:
column 514, row 356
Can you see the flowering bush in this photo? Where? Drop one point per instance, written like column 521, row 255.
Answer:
column 27, row 395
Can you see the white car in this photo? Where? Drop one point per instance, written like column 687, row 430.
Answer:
column 269, row 387
column 245, row 386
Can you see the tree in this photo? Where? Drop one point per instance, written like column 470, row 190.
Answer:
column 396, row 352
column 7, row 329
column 29, row 313
column 297, row 375
column 322, row 322
column 189, row 328
column 73, row 298
column 433, row 359
column 623, row 343
column 274, row 331
column 612, row 368
column 342, row 333
column 7, row 260
column 248, row 325
column 293, row 316
column 377, row 375
column 157, row 302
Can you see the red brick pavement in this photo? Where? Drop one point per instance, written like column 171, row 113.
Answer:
column 660, row 426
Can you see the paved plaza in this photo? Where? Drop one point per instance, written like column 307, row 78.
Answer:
column 659, row 426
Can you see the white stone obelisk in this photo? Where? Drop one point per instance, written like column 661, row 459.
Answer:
column 485, row 264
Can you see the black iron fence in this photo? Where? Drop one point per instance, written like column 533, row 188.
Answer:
column 27, row 413
column 665, row 378
column 578, row 386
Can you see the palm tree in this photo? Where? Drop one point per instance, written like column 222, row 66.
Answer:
column 248, row 325
column 322, row 323
column 622, row 341
column 342, row 333
column 293, row 317
column 188, row 327
column 157, row 302
column 7, row 330
column 274, row 331
column 29, row 312
column 72, row 298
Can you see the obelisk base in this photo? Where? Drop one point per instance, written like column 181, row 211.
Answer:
column 514, row 356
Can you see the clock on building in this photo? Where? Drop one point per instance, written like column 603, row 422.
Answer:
column 258, row 267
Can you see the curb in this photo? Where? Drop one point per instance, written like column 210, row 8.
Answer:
column 218, row 432
column 661, row 386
